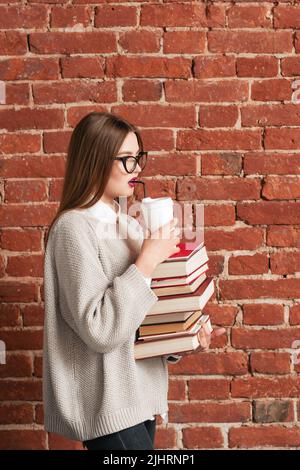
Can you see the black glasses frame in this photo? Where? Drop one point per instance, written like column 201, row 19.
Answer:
column 137, row 160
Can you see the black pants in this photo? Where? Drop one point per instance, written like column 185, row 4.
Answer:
column 138, row 437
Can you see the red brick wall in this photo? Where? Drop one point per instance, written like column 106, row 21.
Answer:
column 211, row 86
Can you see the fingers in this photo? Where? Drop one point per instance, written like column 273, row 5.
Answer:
column 218, row 332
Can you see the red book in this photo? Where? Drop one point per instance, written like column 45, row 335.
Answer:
column 182, row 265
column 187, row 249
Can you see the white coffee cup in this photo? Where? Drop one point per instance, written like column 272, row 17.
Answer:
column 157, row 212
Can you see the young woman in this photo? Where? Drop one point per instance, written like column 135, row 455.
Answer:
column 97, row 293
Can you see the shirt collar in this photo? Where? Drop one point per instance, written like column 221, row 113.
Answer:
column 104, row 211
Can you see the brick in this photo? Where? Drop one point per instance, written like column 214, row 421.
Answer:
column 218, row 188
column 216, row 266
column 140, row 41
column 13, row 43
column 158, row 189
column 276, row 89
column 11, row 291
column 232, row 139
column 141, row 90
column 165, row 438
column 71, row 16
column 29, row 69
column 295, row 315
column 257, row 42
column 22, row 339
column 275, row 163
column 19, row 215
column 17, row 93
column 162, row 140
column 59, row 442
column 272, row 411
column 27, row 17
column 22, row 439
column 221, row 164
column 33, row 167
column 25, row 191
column 18, row 414
column 184, row 42
column 17, row 364
column 19, row 143
column 285, row 262
column 204, row 91
column 276, row 436
column 248, row 264
column 286, row 16
column 72, row 43
column 21, row 240
column 16, row 390
column 281, row 187
column 33, row 315
column 202, row 437
column 269, row 212
column 167, row 116
column 210, row 412
column 218, row 116
column 70, row 92
column 223, row 315
column 237, row 239
column 183, row 14
column 283, row 236
column 9, row 314
column 259, row 66
column 259, row 288
column 243, row 338
column 262, row 387
column 208, row 389
column 214, row 66
column 263, row 314
column 290, row 66
column 219, row 215
column 271, row 115
column 177, row 389
column 217, row 363
column 107, row 16
column 25, row 265
column 39, row 414
column 38, row 366
column 82, row 67
column 76, row 113
column 249, row 16
column 270, row 363
column 56, row 142
column 171, row 164
column 148, row 67
column 282, row 139
column 13, row 120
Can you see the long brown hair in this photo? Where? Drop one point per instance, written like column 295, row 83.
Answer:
column 94, row 142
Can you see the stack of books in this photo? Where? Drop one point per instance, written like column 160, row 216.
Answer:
column 183, row 289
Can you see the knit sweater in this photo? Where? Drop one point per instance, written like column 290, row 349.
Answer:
column 95, row 299
column 106, row 213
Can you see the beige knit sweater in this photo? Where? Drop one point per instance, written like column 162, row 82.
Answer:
column 95, row 299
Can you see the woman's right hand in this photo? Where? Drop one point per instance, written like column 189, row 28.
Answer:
column 157, row 247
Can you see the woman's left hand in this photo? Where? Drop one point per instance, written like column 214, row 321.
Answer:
column 205, row 338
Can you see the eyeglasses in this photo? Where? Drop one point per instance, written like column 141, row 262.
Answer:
column 130, row 162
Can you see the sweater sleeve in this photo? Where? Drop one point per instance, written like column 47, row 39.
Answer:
column 103, row 314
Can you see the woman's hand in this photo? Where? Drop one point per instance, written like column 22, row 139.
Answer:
column 205, row 339
column 160, row 245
